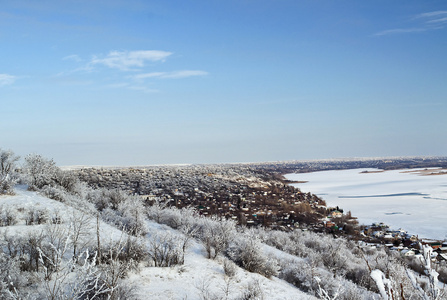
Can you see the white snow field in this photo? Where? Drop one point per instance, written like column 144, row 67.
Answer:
column 179, row 282
column 411, row 199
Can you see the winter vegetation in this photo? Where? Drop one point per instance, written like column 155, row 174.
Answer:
column 62, row 239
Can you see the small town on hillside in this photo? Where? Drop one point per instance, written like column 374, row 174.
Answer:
column 258, row 195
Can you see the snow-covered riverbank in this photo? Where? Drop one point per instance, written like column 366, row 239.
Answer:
column 400, row 198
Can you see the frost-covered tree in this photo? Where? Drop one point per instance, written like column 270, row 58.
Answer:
column 41, row 171
column 133, row 218
column 216, row 234
column 8, row 163
column 80, row 229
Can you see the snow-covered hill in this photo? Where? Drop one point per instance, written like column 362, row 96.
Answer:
column 198, row 278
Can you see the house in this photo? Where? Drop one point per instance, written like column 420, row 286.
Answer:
column 434, row 244
column 329, row 224
column 335, row 214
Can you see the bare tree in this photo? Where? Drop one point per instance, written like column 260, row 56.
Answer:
column 80, row 231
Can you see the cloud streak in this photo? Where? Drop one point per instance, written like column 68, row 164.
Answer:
column 132, row 87
column 432, row 14
column 171, row 75
column 127, row 60
column 73, row 57
column 6, row 79
column 400, row 30
column 136, row 61
column 427, row 21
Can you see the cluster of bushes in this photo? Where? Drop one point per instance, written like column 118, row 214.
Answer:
column 319, row 264
column 63, row 261
column 218, row 235
column 344, row 268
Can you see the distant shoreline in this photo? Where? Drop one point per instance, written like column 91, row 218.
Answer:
column 421, row 203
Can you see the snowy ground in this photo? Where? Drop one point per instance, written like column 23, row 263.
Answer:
column 403, row 199
column 179, row 282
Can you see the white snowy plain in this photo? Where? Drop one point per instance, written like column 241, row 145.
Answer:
column 399, row 198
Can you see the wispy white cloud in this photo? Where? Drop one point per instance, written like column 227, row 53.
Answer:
column 171, row 75
column 143, row 89
column 400, row 30
column 125, row 85
column 425, row 22
column 441, row 20
column 73, row 57
column 126, row 60
column 6, row 79
column 141, row 61
column 432, row 14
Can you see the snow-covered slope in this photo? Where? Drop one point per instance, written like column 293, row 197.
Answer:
column 197, row 278
column 201, row 277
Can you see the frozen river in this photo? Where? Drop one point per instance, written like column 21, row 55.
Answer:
column 407, row 199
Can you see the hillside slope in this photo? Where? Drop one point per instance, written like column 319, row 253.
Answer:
column 197, row 278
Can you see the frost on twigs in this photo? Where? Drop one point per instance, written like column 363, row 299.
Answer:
column 72, row 279
column 8, row 176
column 323, row 294
column 432, row 290
column 383, row 284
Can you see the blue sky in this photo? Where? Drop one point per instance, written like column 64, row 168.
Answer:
column 164, row 82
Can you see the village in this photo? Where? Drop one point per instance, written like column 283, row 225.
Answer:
column 252, row 195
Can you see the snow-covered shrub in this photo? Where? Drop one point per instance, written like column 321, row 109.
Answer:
column 37, row 216
column 11, row 280
column 8, row 216
column 66, row 180
column 246, row 252
column 229, row 267
column 170, row 216
column 216, row 234
column 54, row 193
column 29, row 251
column 112, row 217
column 135, row 250
column 335, row 256
column 360, row 276
column 157, row 211
column 129, row 217
column 73, row 278
column 203, row 286
column 253, row 291
column 113, row 270
column 104, row 198
column 299, row 273
column 165, row 250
